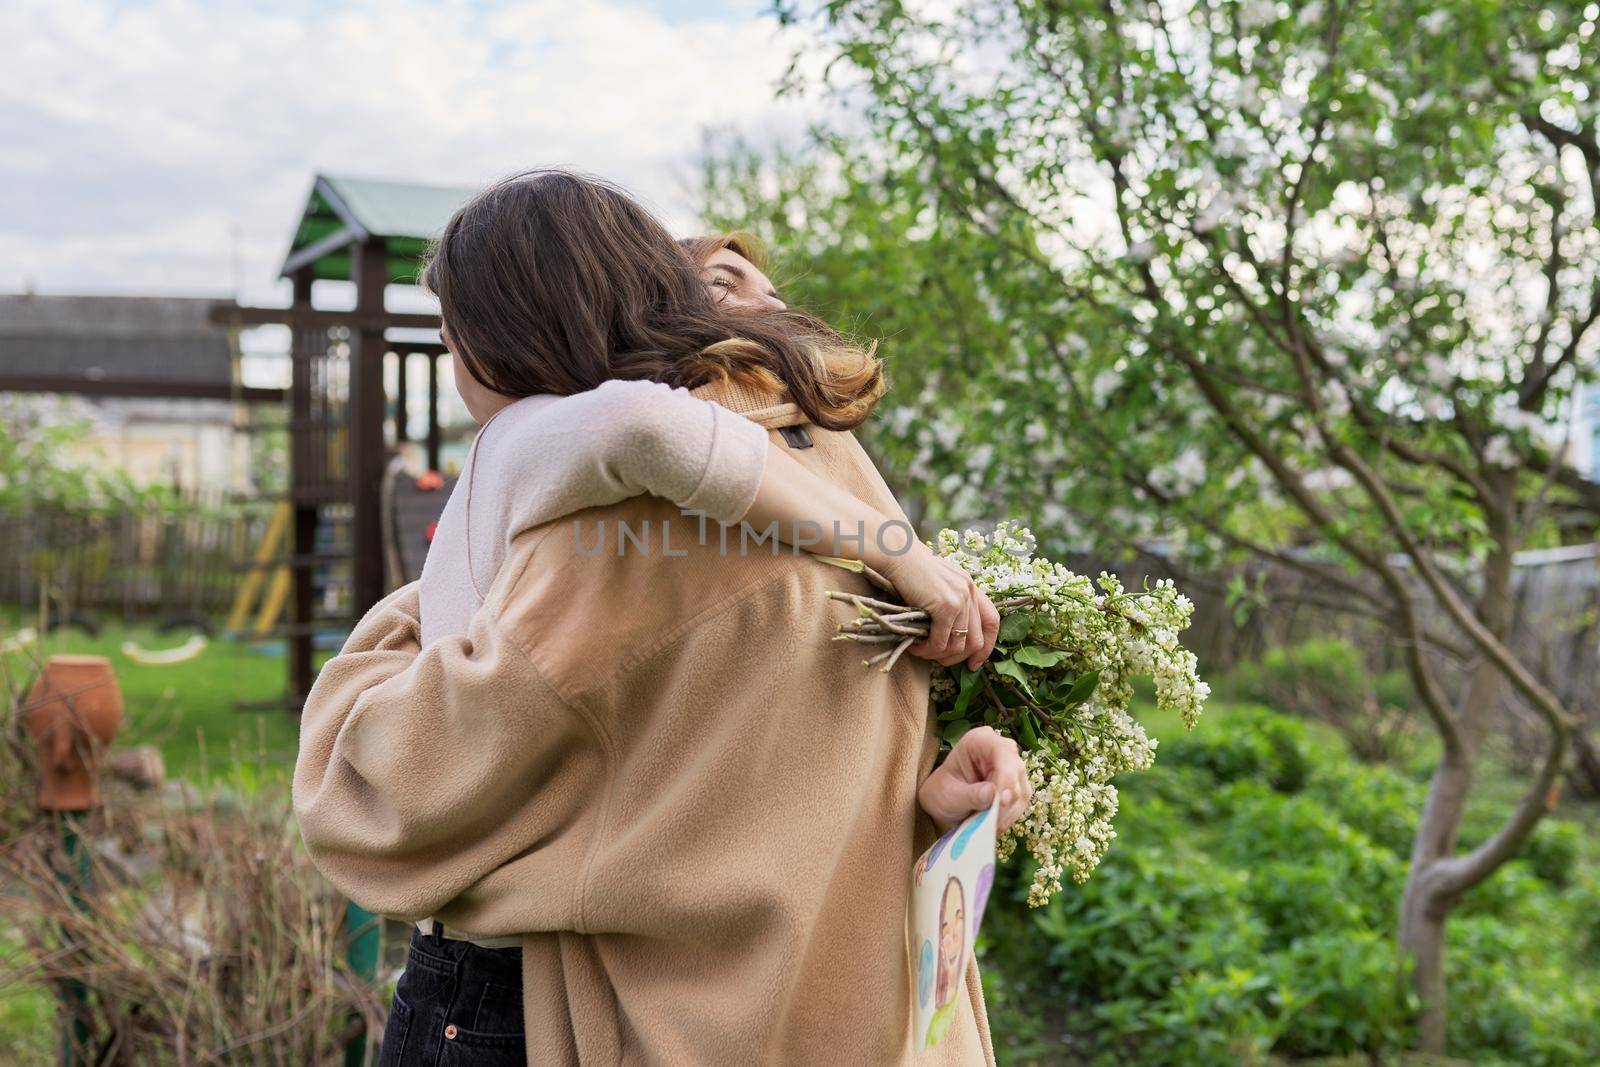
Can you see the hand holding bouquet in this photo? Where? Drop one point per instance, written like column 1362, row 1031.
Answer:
column 1058, row 683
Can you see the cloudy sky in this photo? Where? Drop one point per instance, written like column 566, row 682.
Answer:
column 167, row 146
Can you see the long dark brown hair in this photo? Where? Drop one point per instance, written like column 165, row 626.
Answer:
column 553, row 282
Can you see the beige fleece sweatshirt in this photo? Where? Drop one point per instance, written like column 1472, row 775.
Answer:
column 697, row 810
column 546, row 456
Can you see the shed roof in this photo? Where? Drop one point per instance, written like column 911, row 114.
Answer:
column 340, row 212
column 109, row 340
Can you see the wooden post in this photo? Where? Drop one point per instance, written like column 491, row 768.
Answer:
column 370, row 269
column 78, row 878
column 305, row 467
column 366, row 447
column 433, row 412
column 401, row 399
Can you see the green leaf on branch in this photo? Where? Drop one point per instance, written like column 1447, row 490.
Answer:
column 967, row 680
column 1083, row 689
column 1009, row 668
column 954, row 732
column 1030, row 735
column 1015, row 627
column 1034, row 656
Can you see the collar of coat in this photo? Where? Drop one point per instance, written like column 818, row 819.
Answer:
column 757, row 405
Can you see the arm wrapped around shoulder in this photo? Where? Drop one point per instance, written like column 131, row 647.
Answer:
column 421, row 770
column 652, row 438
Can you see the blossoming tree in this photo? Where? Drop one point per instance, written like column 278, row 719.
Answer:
column 1236, row 259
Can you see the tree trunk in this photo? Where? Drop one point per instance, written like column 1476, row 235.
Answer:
column 1430, row 893
column 1585, row 771
column 1422, row 939
column 1423, row 908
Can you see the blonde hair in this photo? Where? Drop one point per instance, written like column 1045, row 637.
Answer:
column 739, row 242
column 845, row 379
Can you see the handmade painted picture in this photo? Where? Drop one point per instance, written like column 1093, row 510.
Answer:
column 950, row 886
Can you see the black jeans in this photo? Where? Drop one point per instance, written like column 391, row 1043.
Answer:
column 456, row 1003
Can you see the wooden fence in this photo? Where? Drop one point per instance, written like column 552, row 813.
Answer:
column 137, row 566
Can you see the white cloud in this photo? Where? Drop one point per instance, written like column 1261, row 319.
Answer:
column 143, row 147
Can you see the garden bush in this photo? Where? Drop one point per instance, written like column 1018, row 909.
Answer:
column 1246, row 915
column 1328, row 679
column 1375, row 799
column 1514, row 999
column 208, row 937
column 1552, row 851
column 1257, row 745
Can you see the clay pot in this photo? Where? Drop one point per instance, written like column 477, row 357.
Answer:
column 72, row 713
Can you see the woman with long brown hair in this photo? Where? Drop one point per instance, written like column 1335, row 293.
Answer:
column 477, row 777
column 541, row 455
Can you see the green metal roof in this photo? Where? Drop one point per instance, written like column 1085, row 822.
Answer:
column 343, row 211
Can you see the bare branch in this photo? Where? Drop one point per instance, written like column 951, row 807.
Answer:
column 1546, row 702
column 1585, row 142
column 1459, row 873
column 1433, row 697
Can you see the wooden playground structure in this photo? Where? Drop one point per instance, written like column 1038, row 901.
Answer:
column 330, row 530
column 343, row 508
column 350, row 525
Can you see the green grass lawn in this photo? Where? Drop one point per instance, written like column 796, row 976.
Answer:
column 190, row 710
column 27, row 1012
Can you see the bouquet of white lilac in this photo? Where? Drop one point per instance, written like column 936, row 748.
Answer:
column 1058, row 683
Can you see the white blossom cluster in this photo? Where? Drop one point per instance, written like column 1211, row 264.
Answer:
column 1067, row 827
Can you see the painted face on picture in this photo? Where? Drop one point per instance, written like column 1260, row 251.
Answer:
column 952, row 941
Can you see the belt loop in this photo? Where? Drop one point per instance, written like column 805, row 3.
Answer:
column 437, row 933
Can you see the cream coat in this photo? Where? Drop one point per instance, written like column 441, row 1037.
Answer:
column 697, row 810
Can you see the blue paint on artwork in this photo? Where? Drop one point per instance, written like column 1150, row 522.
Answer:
column 925, row 973
column 965, row 835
